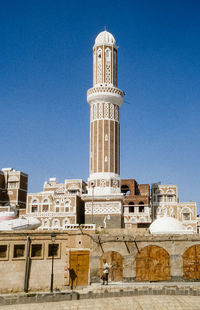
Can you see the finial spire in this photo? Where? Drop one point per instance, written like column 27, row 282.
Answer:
column 105, row 27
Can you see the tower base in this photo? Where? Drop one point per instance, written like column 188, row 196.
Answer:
column 104, row 211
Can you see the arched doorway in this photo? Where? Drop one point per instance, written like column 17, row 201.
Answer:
column 152, row 264
column 115, row 260
column 191, row 263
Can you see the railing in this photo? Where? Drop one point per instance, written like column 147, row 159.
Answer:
column 70, row 227
column 50, row 214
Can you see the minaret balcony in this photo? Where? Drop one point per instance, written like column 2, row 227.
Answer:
column 105, row 94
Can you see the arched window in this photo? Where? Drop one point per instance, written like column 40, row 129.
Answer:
column 125, row 190
column 99, row 54
column 34, row 206
column 56, row 224
column 170, row 196
column 57, row 206
column 66, row 222
column 45, row 205
column 141, row 206
column 160, row 198
column 131, row 207
column 46, row 223
column 108, row 55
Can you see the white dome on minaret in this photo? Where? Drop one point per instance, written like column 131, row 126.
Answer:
column 105, row 37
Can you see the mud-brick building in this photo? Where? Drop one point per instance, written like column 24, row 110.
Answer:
column 78, row 258
column 59, row 205
column 13, row 188
column 137, row 210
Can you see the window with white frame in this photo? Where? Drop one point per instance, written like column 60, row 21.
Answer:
column 160, row 198
column 13, row 185
column 46, row 223
column 56, row 223
column 66, row 222
column 170, row 198
column 186, row 214
column 45, row 205
column 34, row 206
column 57, row 206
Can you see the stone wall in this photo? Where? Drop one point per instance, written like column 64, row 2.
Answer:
column 120, row 246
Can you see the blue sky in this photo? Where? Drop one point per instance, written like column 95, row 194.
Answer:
column 46, row 69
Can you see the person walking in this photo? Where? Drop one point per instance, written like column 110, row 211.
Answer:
column 105, row 272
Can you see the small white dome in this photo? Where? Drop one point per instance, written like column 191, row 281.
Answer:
column 105, row 37
column 167, row 225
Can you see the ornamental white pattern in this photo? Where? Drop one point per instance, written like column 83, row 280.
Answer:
column 116, row 113
column 94, row 69
column 115, row 69
column 103, row 183
column 106, row 110
column 107, row 89
column 95, row 111
column 115, row 183
column 99, row 66
column 108, row 66
column 111, row 111
column 103, row 209
column 108, row 73
column 100, row 110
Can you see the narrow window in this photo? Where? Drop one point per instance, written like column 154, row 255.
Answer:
column 34, row 209
column 131, row 207
column 186, row 216
column 141, row 206
column 45, row 208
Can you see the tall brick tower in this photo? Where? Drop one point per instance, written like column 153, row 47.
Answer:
column 105, row 100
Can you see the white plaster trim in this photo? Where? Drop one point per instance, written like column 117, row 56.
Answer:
column 104, row 191
column 93, row 142
column 103, row 208
column 97, row 159
column 103, row 64
column 103, row 175
column 105, row 97
column 103, row 151
column 109, row 144
column 114, row 144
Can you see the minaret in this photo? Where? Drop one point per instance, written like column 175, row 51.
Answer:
column 105, row 100
column 103, row 203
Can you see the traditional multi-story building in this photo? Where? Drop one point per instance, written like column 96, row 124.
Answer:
column 59, row 205
column 13, row 188
column 165, row 202
column 137, row 210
